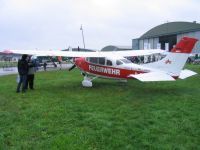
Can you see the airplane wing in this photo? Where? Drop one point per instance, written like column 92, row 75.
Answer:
column 53, row 53
column 128, row 53
column 152, row 76
column 83, row 54
column 186, row 73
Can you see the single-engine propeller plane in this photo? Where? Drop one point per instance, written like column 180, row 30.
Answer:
column 114, row 65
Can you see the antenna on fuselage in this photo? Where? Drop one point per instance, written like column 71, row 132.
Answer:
column 82, row 36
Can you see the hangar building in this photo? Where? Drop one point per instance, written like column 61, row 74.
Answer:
column 166, row 35
column 116, row 48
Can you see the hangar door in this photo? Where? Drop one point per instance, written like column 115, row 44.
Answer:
column 170, row 39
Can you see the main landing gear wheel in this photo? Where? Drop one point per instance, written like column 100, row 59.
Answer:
column 87, row 82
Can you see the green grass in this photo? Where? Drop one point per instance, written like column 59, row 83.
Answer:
column 61, row 114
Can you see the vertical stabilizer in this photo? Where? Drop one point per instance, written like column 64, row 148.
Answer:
column 175, row 60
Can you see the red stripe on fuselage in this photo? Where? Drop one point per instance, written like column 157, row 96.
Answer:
column 104, row 71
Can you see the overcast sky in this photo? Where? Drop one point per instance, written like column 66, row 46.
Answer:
column 55, row 24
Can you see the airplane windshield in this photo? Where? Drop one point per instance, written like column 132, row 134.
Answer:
column 118, row 62
column 126, row 61
column 96, row 60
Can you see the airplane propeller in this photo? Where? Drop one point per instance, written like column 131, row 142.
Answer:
column 72, row 67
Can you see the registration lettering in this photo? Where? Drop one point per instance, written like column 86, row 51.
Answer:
column 104, row 70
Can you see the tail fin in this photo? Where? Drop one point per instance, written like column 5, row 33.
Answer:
column 175, row 60
column 185, row 45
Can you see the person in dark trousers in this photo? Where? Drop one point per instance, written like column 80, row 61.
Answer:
column 31, row 72
column 23, row 71
column 45, row 66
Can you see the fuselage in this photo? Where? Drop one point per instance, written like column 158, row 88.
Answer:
column 116, row 68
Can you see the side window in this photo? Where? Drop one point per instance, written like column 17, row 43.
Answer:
column 87, row 59
column 93, row 60
column 102, row 61
column 119, row 62
column 109, row 63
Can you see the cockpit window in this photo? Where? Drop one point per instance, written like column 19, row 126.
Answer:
column 118, row 62
column 109, row 63
column 94, row 60
column 87, row 59
column 102, row 61
column 126, row 61
column 99, row 60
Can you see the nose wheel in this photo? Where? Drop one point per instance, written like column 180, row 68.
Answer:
column 87, row 82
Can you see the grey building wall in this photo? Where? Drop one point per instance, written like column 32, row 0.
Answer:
column 141, row 44
column 135, row 44
column 146, row 43
column 152, row 43
column 168, row 34
column 197, row 46
column 155, row 43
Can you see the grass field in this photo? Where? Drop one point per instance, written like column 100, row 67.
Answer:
column 61, row 114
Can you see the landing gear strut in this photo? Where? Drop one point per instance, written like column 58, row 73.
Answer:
column 87, row 81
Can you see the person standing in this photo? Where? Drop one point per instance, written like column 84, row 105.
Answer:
column 60, row 61
column 45, row 66
column 31, row 73
column 23, row 71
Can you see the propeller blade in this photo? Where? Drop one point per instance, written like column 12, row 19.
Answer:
column 72, row 67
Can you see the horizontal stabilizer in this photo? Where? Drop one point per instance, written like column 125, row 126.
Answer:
column 152, row 76
column 186, row 73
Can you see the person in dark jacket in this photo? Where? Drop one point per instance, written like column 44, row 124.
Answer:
column 23, row 71
column 45, row 66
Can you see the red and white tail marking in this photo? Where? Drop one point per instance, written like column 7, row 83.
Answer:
column 185, row 45
column 175, row 60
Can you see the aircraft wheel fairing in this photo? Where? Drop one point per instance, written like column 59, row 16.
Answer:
column 86, row 83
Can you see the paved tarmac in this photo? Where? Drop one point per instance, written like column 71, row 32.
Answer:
column 13, row 70
column 7, row 71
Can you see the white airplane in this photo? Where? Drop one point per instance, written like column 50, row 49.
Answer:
column 114, row 65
